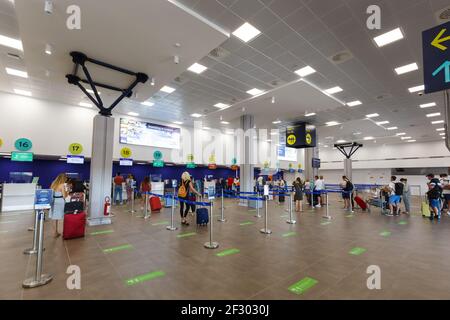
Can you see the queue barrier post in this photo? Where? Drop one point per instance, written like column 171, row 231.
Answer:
column 172, row 212
column 351, row 201
column 132, row 201
column 265, row 230
column 290, row 221
column 222, row 218
column 327, row 215
column 34, row 249
column 146, row 214
column 258, row 212
column 211, row 244
column 39, row 279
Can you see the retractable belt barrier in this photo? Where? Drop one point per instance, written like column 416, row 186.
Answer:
column 198, row 203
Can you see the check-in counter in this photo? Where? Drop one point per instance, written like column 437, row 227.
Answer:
column 18, row 196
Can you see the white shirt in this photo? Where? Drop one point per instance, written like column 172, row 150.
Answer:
column 319, row 184
column 445, row 183
column 392, row 187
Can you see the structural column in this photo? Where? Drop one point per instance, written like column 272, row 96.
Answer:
column 101, row 168
column 246, row 155
column 348, row 168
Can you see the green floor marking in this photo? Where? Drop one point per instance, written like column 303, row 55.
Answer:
column 325, row 223
column 6, row 222
column 403, row 222
column 303, row 285
column 101, row 232
column 161, row 223
column 246, row 223
column 187, row 234
column 144, row 277
column 289, row 234
column 227, row 252
column 284, row 216
column 385, row 233
column 357, row 251
column 252, row 210
column 118, row 248
column 349, row 216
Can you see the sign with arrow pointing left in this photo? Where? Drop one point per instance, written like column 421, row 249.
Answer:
column 436, row 58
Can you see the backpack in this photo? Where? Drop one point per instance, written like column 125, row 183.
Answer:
column 349, row 186
column 182, row 191
column 434, row 193
column 398, row 188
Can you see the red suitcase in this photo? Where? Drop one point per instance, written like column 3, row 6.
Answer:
column 361, row 203
column 155, row 204
column 74, row 225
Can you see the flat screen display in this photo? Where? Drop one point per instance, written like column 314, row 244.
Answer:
column 149, row 134
column 286, row 153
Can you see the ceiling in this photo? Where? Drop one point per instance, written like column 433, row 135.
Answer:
column 294, row 33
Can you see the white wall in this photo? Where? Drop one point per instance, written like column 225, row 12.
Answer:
column 53, row 126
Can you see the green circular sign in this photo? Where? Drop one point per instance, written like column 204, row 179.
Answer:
column 75, row 148
column 23, row 144
column 157, row 155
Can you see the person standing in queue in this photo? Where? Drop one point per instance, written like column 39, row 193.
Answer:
column 184, row 188
column 129, row 185
column 118, row 180
column 145, row 187
column 406, row 196
column 347, row 190
column 59, row 194
column 299, row 185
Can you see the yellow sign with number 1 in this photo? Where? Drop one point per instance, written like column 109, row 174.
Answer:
column 125, row 152
column 75, row 148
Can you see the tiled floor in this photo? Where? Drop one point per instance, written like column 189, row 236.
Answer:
column 414, row 259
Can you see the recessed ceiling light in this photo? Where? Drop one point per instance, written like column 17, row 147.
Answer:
column 23, row 92
column 276, row 122
column 372, row 115
column 440, row 129
column 354, row 103
column 417, row 88
column 405, row 138
column 388, row 37
column 437, row 121
column 206, row 128
column 428, row 105
column 411, row 141
column 167, row 89
column 334, row 90
column 246, row 32
column 431, row 115
column 369, row 138
column 221, row 105
column 178, row 122
column 10, row 42
column 341, row 141
column 400, row 134
column 92, row 91
column 85, row 105
column 380, row 123
column 224, row 122
column 443, row 137
column 148, row 103
column 310, row 114
column 197, row 68
column 17, row 73
column 392, row 128
column 133, row 114
column 48, row 49
column 254, row 92
column 196, row 115
column 305, row 71
column 407, row 68
column 332, row 123
column 442, row 134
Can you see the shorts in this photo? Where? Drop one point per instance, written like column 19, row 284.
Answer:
column 394, row 199
column 346, row 195
column 435, row 203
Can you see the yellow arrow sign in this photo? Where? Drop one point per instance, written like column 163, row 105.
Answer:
column 438, row 40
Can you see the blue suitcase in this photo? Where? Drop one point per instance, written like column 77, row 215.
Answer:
column 202, row 216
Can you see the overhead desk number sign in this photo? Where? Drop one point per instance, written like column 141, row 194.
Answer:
column 436, row 58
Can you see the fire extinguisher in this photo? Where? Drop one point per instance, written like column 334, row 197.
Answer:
column 107, row 206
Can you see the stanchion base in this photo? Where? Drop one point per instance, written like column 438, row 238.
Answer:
column 291, row 221
column 33, row 283
column 211, row 245
column 170, row 228
column 30, row 229
column 327, row 217
column 258, row 216
column 222, row 220
column 147, row 217
column 265, row 231
column 132, row 211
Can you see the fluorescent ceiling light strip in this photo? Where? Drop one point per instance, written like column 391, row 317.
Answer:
column 133, row 114
column 17, row 73
column 400, row 134
column 305, row 71
column 407, row 68
column 148, row 103
column 197, row 68
column 388, row 37
column 372, row 115
column 196, row 115
column 392, row 128
column 11, row 43
column 416, row 88
column 178, row 122
column 23, row 92
column 332, row 123
column 167, row 89
column 310, row 114
column 428, row 105
column 431, row 115
column 437, row 122
column 221, row 105
column 380, row 123
column 334, row 90
column 254, row 92
column 354, row 103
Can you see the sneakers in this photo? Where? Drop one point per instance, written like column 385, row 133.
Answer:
column 318, row 206
column 389, row 214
